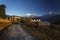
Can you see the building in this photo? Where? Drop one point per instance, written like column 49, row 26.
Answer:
column 14, row 18
column 35, row 19
column 2, row 10
column 44, row 23
column 39, row 22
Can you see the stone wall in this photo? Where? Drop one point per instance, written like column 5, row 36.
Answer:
column 4, row 23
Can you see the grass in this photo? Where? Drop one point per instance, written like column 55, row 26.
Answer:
column 52, row 33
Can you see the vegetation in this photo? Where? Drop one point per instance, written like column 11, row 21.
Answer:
column 43, row 33
column 3, row 17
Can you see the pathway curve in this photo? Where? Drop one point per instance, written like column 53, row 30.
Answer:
column 16, row 32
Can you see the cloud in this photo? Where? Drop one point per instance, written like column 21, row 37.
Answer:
column 28, row 14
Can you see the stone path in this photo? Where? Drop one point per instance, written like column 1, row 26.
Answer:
column 16, row 32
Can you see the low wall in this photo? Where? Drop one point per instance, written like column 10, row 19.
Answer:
column 4, row 23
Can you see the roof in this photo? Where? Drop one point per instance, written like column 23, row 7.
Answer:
column 36, row 17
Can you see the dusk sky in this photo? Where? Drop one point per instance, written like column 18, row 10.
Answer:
column 37, row 7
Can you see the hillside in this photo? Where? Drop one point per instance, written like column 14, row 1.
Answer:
column 53, row 18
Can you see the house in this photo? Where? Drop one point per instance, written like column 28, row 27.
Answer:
column 44, row 23
column 39, row 21
column 14, row 18
column 35, row 19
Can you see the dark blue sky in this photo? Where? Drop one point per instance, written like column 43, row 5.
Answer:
column 38, row 7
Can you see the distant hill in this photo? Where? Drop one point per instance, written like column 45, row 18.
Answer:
column 53, row 18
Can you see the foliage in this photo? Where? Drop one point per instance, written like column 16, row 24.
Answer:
column 51, row 32
column 44, row 33
column 25, row 21
column 3, row 16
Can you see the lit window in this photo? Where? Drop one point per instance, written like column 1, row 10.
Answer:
column 34, row 19
column 39, row 20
